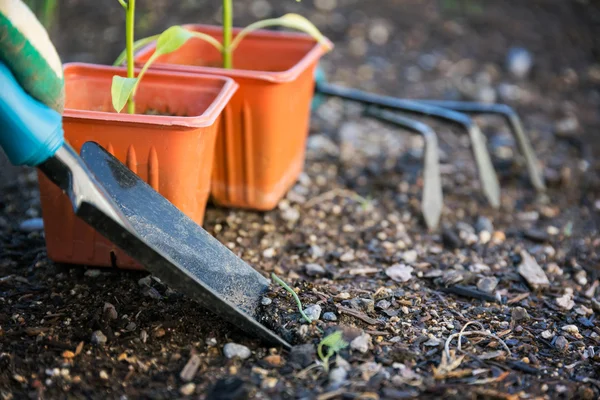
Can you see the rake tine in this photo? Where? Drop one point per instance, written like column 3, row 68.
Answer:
column 513, row 120
column 432, row 199
column 487, row 175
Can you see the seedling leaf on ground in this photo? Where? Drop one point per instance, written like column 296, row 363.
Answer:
column 334, row 343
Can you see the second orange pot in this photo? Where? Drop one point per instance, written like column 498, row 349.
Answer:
column 261, row 145
column 169, row 143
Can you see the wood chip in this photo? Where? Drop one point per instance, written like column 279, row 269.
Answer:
column 518, row 298
column 357, row 314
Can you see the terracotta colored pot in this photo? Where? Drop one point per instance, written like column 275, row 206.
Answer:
column 174, row 154
column 261, row 147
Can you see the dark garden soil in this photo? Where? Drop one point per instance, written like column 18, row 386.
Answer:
column 350, row 237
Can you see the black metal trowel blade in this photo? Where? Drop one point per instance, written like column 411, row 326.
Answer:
column 174, row 248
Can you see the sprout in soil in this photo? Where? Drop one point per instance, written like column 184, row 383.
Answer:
column 334, row 344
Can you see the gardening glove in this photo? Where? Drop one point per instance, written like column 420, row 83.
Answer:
column 32, row 96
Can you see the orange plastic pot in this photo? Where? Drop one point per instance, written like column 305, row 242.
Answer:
column 169, row 143
column 260, row 149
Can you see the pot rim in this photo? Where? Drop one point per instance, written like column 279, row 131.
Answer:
column 207, row 118
column 291, row 74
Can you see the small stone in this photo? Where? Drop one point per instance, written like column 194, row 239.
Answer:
column 361, row 343
column 383, row 304
column 325, row 5
column 187, row 389
column 143, row 336
column 329, row 316
column 130, row 327
column 302, row 355
column 399, row 272
column 484, row 237
column 479, row 268
column 572, row 329
column 566, row 301
column 451, row 240
column 32, row 225
column 347, row 256
column 314, row 270
column 567, row 126
column 337, row 376
column 273, row 360
column 99, row 338
column 110, row 311
column 68, row 354
column 269, row 253
column 233, row 350
column 487, row 284
column 379, row 33
column 103, row 375
column 265, row 301
column 596, row 306
column 366, row 305
column 290, row 214
column 531, row 271
column 519, row 314
column 410, row 256
column 432, row 342
column 92, row 273
column 269, row 382
column 561, row 343
column 547, row 334
column 313, row 312
column 519, row 62
column 581, row 278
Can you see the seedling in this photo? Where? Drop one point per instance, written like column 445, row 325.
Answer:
column 174, row 37
column 334, row 344
column 294, row 295
column 123, row 90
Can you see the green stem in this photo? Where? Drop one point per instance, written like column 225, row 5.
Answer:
column 129, row 35
column 227, row 32
column 294, row 295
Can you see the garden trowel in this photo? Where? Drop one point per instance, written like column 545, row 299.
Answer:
column 104, row 192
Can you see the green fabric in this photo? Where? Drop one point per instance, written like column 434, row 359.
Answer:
column 29, row 67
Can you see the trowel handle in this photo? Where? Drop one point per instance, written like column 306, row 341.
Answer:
column 30, row 132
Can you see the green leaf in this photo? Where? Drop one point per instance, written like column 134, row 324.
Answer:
column 292, row 21
column 172, row 39
column 121, row 90
column 334, row 343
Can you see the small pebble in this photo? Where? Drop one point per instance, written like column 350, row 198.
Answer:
column 233, row 350
column 329, row 316
column 110, row 311
column 519, row 62
column 314, row 270
column 361, row 343
column 399, row 272
column 572, row 329
column 92, row 273
column 269, row 253
column 313, row 312
column 520, row 314
column 103, row 375
column 487, row 284
column 265, row 301
column 337, row 376
column 547, row 334
column 410, row 256
column 273, row 359
column 98, row 338
column 187, row 389
column 347, row 257
column 561, row 343
column 383, row 304
column 32, row 225
column 566, row 301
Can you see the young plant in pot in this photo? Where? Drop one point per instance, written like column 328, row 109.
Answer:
column 260, row 149
column 167, row 137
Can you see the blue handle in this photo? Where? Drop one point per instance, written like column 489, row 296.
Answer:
column 30, row 132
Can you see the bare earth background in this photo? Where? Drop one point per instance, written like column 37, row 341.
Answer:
column 335, row 249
